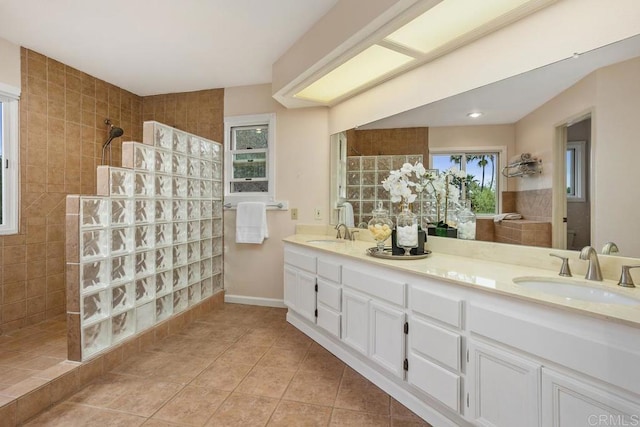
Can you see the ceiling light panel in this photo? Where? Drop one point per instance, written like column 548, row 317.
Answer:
column 366, row 67
column 450, row 20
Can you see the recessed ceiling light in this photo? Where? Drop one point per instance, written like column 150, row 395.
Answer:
column 474, row 115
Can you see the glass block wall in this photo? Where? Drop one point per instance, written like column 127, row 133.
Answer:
column 149, row 244
column 364, row 187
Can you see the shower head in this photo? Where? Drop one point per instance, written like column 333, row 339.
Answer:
column 114, row 132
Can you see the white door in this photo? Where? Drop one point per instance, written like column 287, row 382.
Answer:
column 355, row 322
column 387, row 338
column 571, row 402
column 503, row 387
column 290, row 286
column 306, row 295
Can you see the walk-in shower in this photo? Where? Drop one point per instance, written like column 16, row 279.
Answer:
column 114, row 132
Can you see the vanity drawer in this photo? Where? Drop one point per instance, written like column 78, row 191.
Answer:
column 300, row 260
column 435, row 342
column 329, row 320
column 387, row 290
column 443, row 308
column 329, row 294
column 329, row 270
column 435, row 381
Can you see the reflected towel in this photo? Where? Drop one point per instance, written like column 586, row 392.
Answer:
column 506, row 216
column 251, row 222
column 346, row 214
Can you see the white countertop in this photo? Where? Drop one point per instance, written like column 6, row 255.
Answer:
column 490, row 276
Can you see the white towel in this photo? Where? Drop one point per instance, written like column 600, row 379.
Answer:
column 251, row 222
column 506, row 216
column 347, row 214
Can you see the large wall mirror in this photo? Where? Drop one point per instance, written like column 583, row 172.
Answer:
column 578, row 117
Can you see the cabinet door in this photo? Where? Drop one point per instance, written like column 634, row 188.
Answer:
column 355, row 320
column 290, row 286
column 387, row 338
column 306, row 295
column 504, row 387
column 571, row 402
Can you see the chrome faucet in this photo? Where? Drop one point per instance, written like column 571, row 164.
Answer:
column 593, row 271
column 625, row 277
column 347, row 234
column 564, row 269
column 610, row 248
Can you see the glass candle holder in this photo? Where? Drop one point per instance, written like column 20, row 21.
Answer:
column 380, row 226
column 407, row 230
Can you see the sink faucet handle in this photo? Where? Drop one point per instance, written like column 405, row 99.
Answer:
column 564, row 269
column 354, row 235
column 625, row 277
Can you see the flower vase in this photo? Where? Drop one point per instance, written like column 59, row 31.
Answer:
column 407, row 230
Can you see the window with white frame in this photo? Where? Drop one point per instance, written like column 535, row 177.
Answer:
column 483, row 183
column 250, row 158
column 576, row 171
column 9, row 161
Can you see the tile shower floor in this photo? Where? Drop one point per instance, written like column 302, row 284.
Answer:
column 30, row 351
column 239, row 365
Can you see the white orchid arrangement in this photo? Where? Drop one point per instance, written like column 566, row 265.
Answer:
column 404, row 184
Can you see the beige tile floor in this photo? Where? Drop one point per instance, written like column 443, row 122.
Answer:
column 28, row 352
column 237, row 366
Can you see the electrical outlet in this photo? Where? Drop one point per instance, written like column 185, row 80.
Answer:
column 294, row 213
column 316, row 214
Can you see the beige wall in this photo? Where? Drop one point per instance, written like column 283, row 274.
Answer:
column 535, row 41
column 302, row 179
column 612, row 94
column 472, row 137
column 9, row 64
column 616, row 151
column 536, row 132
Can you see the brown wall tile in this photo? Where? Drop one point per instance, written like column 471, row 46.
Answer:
column 61, row 124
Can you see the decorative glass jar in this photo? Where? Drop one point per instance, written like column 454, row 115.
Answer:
column 466, row 221
column 380, row 226
column 407, row 230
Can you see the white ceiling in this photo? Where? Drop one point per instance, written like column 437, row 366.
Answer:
column 163, row 46
column 509, row 100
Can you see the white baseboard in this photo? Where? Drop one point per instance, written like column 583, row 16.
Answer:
column 265, row 302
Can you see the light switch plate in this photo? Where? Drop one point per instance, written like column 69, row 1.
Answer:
column 294, row 213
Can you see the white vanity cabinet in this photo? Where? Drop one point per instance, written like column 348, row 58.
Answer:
column 463, row 356
column 329, row 296
column 569, row 401
column 435, row 345
column 505, row 387
column 355, row 326
column 300, row 282
column 374, row 318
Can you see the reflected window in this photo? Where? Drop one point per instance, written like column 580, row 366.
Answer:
column 249, row 148
column 482, row 178
column 576, row 160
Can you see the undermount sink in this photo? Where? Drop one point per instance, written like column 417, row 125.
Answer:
column 326, row 241
column 571, row 290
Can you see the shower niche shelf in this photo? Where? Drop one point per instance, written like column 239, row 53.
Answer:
column 148, row 245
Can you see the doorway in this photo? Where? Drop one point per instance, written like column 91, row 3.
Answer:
column 577, row 165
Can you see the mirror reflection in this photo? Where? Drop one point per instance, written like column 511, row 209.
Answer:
column 550, row 156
